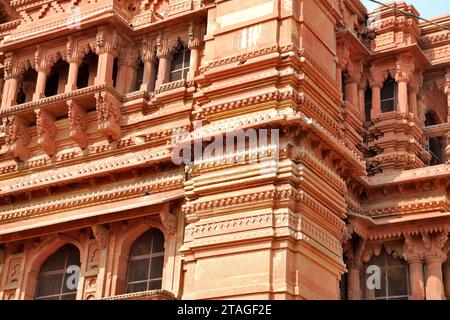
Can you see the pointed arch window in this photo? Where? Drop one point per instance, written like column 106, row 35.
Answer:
column 145, row 264
column 389, row 95
column 58, row 278
column 179, row 67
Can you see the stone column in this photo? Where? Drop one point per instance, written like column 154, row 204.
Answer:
column 376, row 99
column 39, row 93
column 165, row 58
column 126, row 76
column 194, row 44
column 435, row 284
column 12, row 78
column 434, row 258
column 72, row 77
column 351, row 91
column 446, row 269
column 354, row 281
column 148, row 58
column 107, row 46
column 362, row 100
column 416, row 278
column 403, row 75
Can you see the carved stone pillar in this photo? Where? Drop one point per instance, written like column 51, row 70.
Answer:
column 107, row 47
column 434, row 258
column 362, row 100
column 12, row 77
column 354, row 280
column 165, row 59
column 148, row 58
column 46, row 130
column 73, row 58
column 376, row 98
column 126, row 76
column 403, row 75
column 447, row 92
column 446, row 271
column 416, row 278
column 414, row 88
column 42, row 67
column 196, row 31
column 343, row 56
column 78, row 123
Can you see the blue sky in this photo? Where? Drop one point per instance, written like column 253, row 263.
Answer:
column 427, row 8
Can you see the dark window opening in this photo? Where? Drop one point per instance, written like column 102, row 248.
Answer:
column 21, row 95
column 145, row 265
column 51, row 86
column 115, row 71
column 368, row 103
column 389, row 95
column 83, row 76
column 435, row 144
column 55, row 280
column 344, row 77
column 180, row 64
column 139, row 75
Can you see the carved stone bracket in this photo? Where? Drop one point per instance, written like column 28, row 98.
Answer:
column 169, row 220
column 78, row 123
column 101, row 234
column 17, row 137
column 108, row 115
column 46, row 130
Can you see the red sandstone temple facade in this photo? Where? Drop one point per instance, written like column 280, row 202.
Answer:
column 92, row 205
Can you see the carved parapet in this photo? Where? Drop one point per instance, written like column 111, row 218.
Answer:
column 46, row 131
column 17, row 137
column 78, row 123
column 108, row 114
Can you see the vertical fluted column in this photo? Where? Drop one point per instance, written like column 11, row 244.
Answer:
column 435, row 283
column 196, row 31
column 446, row 272
column 43, row 72
column 107, row 47
column 376, row 99
column 72, row 77
column 416, row 278
column 164, row 55
column 148, row 58
column 403, row 76
column 354, row 280
column 362, row 101
column 126, row 76
column 434, row 258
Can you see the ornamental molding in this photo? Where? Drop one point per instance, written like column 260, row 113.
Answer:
column 299, row 198
column 83, row 171
column 165, row 182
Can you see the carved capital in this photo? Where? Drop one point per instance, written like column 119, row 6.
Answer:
column 148, row 52
column 108, row 115
column 343, row 54
column 101, row 234
column 17, row 137
column 46, row 131
column 72, row 53
column 196, row 32
column 41, row 61
column 78, row 123
column 11, row 70
column 434, row 245
column 107, row 41
column 162, row 46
